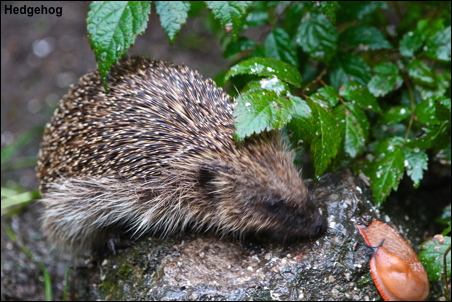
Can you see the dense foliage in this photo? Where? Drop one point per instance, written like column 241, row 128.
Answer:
column 357, row 83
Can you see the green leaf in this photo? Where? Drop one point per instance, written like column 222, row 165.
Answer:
column 365, row 38
column 353, row 126
column 12, row 199
column 272, row 84
column 442, row 108
column 431, row 32
column 387, row 168
column 359, row 95
column 231, row 14
column 260, row 110
column 18, row 143
column 361, row 118
column 315, row 125
column 173, row 14
column 411, row 43
column 424, row 28
column 445, row 217
column 443, row 154
column 328, row 8
column 438, row 45
column 302, row 125
column 258, row 16
column 396, row 114
column 238, row 47
column 438, row 89
column 386, row 80
column 300, row 108
column 317, row 36
column 328, row 94
column 360, row 10
column 113, row 27
column 426, row 112
column 293, row 14
column 432, row 256
column 347, row 68
column 382, row 131
column 429, row 27
column 421, row 73
column 321, row 99
column 267, row 67
column 415, row 163
column 324, row 138
column 278, row 45
column 437, row 136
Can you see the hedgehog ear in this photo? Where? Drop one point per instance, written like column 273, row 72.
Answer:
column 209, row 171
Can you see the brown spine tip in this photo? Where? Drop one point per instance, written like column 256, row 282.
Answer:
column 396, row 270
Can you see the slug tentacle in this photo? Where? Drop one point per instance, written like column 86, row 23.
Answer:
column 396, row 270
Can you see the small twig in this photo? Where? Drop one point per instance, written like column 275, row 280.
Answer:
column 318, row 79
column 412, row 107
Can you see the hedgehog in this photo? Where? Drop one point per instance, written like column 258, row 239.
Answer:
column 156, row 155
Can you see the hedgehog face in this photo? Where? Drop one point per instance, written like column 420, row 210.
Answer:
column 286, row 222
column 261, row 200
column 283, row 212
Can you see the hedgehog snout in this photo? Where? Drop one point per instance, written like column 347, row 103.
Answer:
column 319, row 226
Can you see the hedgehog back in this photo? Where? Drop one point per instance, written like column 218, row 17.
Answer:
column 155, row 114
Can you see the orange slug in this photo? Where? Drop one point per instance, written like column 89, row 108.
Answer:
column 396, row 270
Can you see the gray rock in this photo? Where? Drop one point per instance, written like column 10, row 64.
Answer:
column 207, row 267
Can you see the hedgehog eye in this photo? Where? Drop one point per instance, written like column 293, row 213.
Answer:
column 275, row 205
column 206, row 174
column 209, row 171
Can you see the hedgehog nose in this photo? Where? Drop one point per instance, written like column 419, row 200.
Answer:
column 319, row 227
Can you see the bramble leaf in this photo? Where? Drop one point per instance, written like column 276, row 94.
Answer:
column 438, row 45
column 421, row 73
column 411, row 43
column 328, row 94
column 272, row 84
column 173, row 14
column 231, row 14
column 387, row 168
column 426, row 112
column 432, row 256
column 279, row 46
column 395, row 114
column 415, row 164
column 237, row 47
column 365, row 38
column 359, row 95
column 348, row 68
column 353, row 127
column 267, row 67
column 359, row 10
column 324, row 137
column 317, row 36
column 386, row 80
column 113, row 27
column 260, row 110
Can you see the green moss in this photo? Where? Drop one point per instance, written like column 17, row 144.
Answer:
column 365, row 280
column 125, row 270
